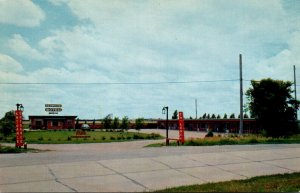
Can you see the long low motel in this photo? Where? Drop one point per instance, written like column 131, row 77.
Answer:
column 55, row 122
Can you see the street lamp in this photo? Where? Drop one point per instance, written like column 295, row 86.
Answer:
column 165, row 110
column 20, row 107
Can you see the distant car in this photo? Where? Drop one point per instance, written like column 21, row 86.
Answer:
column 85, row 126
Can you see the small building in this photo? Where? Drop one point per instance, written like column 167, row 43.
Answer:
column 52, row 122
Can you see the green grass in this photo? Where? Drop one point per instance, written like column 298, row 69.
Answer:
column 272, row 183
column 234, row 140
column 8, row 149
column 64, row 137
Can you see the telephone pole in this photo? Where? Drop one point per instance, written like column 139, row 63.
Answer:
column 196, row 105
column 295, row 88
column 241, row 97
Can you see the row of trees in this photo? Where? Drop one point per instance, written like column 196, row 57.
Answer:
column 213, row 116
column 115, row 123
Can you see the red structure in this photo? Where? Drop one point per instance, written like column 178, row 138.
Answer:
column 181, row 127
column 19, row 128
column 52, row 122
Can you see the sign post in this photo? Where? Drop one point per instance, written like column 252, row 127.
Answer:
column 19, row 126
column 181, row 127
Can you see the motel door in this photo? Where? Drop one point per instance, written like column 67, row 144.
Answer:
column 49, row 124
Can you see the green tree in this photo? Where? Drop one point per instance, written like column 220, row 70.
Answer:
column 175, row 115
column 246, row 116
column 125, row 123
column 272, row 105
column 107, row 121
column 232, row 116
column 116, row 123
column 213, row 116
column 218, row 117
column 7, row 123
column 139, row 123
column 225, row 116
column 204, row 116
column 208, row 116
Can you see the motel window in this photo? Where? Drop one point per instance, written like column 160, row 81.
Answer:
column 38, row 123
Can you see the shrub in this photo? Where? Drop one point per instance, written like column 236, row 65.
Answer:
column 209, row 134
column 128, row 137
column 69, row 138
column 119, row 137
column 49, row 139
column 112, row 138
column 227, row 141
column 135, row 136
column 253, row 140
column 58, row 139
column 103, row 138
column 40, row 138
column 94, row 138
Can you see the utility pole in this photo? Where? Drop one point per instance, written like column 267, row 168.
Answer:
column 196, row 105
column 241, row 97
column 295, row 88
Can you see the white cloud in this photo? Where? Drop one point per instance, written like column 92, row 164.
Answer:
column 8, row 64
column 280, row 66
column 21, row 13
column 21, row 48
column 156, row 41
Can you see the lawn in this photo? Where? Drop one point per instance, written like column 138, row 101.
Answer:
column 234, row 140
column 62, row 137
column 272, row 183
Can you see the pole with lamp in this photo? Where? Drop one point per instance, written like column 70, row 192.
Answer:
column 165, row 110
column 19, row 126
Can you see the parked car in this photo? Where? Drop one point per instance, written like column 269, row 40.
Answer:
column 85, row 127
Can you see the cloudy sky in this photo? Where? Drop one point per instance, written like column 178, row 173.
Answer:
column 133, row 57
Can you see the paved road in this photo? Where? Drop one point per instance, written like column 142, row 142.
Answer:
column 129, row 167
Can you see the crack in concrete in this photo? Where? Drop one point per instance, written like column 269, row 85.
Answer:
column 132, row 180
column 178, row 169
column 58, row 181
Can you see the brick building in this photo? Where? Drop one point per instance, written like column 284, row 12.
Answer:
column 52, row 122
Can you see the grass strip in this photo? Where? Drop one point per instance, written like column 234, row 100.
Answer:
column 8, row 149
column 271, row 183
column 234, row 140
column 65, row 137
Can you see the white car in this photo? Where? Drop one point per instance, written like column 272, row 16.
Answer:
column 85, row 126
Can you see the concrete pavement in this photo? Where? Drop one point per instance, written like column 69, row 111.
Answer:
column 144, row 169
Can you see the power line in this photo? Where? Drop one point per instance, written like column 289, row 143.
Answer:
column 115, row 83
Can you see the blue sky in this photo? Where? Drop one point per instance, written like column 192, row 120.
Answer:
column 93, row 41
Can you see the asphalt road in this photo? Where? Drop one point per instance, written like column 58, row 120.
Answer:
column 129, row 167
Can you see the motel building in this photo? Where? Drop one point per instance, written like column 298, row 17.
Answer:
column 52, row 122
